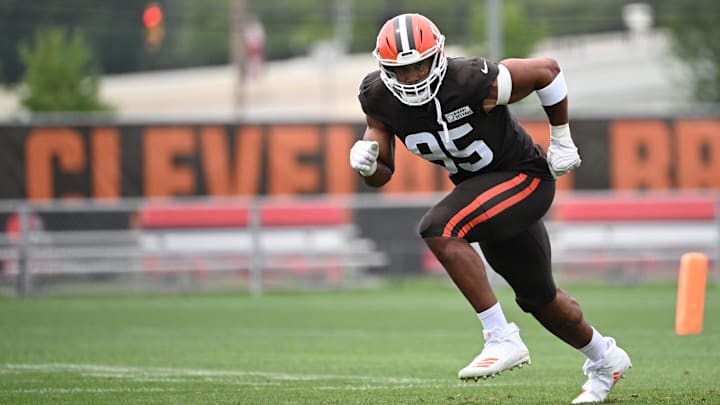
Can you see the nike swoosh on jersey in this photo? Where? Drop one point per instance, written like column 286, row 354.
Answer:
column 485, row 67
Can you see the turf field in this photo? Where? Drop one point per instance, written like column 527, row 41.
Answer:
column 401, row 344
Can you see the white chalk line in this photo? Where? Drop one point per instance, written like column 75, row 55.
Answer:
column 240, row 378
column 119, row 371
column 85, row 390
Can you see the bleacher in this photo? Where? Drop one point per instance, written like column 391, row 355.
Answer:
column 624, row 238
column 632, row 237
column 314, row 241
column 255, row 245
column 193, row 245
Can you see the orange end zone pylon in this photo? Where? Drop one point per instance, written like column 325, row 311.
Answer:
column 691, row 293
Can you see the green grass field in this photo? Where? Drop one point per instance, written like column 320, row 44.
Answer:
column 400, row 344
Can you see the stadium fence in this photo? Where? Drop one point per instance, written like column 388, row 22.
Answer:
column 329, row 242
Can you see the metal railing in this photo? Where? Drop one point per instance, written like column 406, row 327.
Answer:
column 97, row 245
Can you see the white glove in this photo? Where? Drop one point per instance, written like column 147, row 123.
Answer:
column 363, row 157
column 562, row 155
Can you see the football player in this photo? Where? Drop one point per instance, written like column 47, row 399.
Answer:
column 453, row 112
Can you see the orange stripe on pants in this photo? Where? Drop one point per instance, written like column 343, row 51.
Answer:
column 480, row 200
column 485, row 197
column 500, row 207
column 493, row 211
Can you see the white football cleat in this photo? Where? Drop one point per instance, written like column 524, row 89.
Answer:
column 504, row 350
column 603, row 375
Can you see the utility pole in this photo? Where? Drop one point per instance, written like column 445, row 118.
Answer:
column 343, row 25
column 237, row 51
column 493, row 22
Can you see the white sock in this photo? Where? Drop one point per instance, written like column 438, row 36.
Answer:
column 493, row 318
column 595, row 350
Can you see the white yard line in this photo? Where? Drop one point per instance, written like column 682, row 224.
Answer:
column 83, row 390
column 172, row 375
column 240, row 378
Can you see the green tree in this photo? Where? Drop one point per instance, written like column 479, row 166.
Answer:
column 59, row 74
column 520, row 34
column 694, row 35
column 202, row 32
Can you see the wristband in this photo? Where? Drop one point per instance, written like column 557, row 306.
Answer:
column 554, row 92
column 561, row 131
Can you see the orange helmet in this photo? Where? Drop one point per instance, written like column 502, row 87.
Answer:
column 404, row 40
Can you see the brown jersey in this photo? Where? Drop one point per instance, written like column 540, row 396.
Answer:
column 475, row 142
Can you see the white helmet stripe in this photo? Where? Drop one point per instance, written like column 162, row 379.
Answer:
column 403, row 31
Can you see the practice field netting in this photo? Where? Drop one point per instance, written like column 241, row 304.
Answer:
column 400, row 344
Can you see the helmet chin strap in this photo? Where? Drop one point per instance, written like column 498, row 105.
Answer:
column 438, row 113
